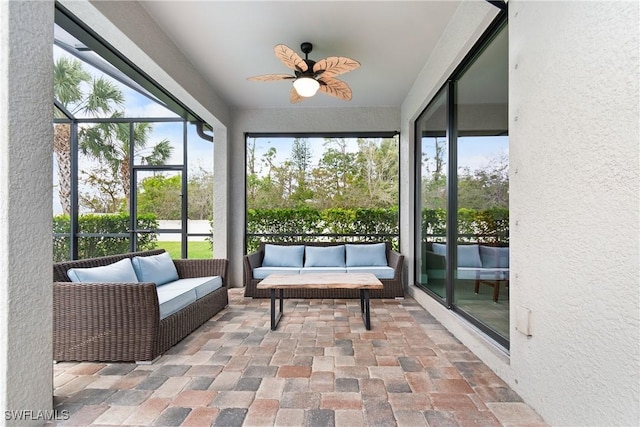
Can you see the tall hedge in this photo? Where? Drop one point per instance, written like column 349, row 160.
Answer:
column 90, row 247
column 337, row 224
column 486, row 226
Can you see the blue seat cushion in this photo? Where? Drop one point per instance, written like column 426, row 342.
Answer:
column 468, row 255
column 327, row 256
column 309, row 270
column 202, row 285
column 283, row 256
column 439, row 248
column 263, row 272
column 158, row 269
column 174, row 298
column 119, row 272
column 366, row 255
column 468, row 273
column 379, row 272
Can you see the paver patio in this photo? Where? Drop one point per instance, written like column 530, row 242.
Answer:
column 320, row 368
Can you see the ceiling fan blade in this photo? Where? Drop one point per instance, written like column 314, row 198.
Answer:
column 335, row 87
column 290, row 58
column 334, row 66
column 294, row 97
column 271, row 77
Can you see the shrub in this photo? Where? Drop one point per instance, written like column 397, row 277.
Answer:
column 334, row 224
column 97, row 244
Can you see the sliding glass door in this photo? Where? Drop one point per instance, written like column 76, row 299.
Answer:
column 462, row 197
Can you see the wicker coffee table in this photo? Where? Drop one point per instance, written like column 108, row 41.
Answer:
column 362, row 281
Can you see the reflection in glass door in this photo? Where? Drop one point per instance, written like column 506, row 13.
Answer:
column 431, row 169
column 481, row 286
column 462, row 190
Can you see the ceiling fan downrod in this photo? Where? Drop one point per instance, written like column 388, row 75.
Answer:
column 306, row 48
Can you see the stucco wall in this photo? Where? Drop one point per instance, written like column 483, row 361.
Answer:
column 574, row 202
column 26, row 135
column 574, row 199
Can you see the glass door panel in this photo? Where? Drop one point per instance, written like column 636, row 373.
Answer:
column 481, row 285
column 431, row 215
column 158, row 210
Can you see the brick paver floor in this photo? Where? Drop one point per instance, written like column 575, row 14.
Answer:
column 320, row 368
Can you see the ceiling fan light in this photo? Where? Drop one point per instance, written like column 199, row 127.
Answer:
column 306, row 86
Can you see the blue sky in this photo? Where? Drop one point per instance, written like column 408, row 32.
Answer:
column 200, row 154
column 473, row 152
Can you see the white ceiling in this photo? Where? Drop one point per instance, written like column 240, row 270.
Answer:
column 228, row 41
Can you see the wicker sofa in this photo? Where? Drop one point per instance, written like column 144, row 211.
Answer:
column 392, row 285
column 118, row 322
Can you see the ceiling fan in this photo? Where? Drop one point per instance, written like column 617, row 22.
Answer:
column 311, row 76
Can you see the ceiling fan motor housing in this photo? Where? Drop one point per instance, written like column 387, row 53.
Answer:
column 306, row 48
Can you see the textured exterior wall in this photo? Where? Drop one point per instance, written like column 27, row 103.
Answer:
column 288, row 120
column 26, row 135
column 574, row 202
column 574, row 199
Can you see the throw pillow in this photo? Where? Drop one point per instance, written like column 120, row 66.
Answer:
column 283, row 256
column 118, row 272
column 324, row 256
column 367, row 255
column 158, row 269
column 439, row 248
column 493, row 257
column 469, row 256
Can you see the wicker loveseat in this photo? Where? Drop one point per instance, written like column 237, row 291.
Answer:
column 392, row 283
column 117, row 322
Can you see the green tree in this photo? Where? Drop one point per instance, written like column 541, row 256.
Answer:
column 201, row 195
column 376, row 181
column 108, row 198
column 486, row 187
column 301, row 162
column 434, row 177
column 161, row 195
column 334, row 174
column 110, row 142
column 78, row 93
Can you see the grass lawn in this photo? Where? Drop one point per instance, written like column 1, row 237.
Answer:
column 195, row 250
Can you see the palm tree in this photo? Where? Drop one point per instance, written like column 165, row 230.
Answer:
column 109, row 143
column 78, row 93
